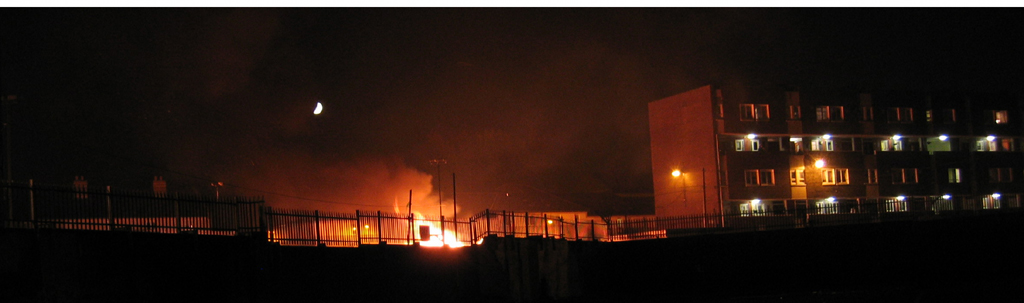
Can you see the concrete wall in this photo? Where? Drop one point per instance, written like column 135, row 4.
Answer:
column 968, row 258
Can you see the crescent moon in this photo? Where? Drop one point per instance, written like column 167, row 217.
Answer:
column 319, row 108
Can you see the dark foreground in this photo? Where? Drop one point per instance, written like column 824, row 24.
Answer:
column 957, row 259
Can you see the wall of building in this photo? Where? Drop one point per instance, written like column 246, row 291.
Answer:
column 683, row 138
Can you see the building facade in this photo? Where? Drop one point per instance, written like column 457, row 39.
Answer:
column 753, row 150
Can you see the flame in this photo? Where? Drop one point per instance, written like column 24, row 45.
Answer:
column 438, row 238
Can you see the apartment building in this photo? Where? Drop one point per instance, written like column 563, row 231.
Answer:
column 753, row 150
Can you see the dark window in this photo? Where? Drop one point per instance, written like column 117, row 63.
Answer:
column 901, row 115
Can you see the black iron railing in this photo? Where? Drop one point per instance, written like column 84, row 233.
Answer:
column 28, row 205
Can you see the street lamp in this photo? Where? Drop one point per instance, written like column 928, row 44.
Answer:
column 216, row 189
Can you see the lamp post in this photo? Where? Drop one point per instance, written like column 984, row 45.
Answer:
column 216, row 190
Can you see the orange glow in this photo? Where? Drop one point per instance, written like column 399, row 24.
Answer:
column 676, row 173
column 436, row 234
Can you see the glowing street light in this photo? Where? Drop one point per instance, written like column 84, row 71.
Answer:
column 943, row 137
column 826, row 137
column 996, row 195
column 896, row 137
column 751, row 136
column 990, row 138
column 676, row 173
column 946, row 197
column 819, row 163
column 901, row 198
column 756, row 201
column 831, row 199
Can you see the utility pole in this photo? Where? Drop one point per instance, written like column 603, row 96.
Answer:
column 455, row 209
column 5, row 105
column 438, row 162
column 7, row 101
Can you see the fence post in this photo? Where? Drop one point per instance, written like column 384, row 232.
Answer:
column 10, row 200
column 32, row 204
column 110, row 211
column 408, row 232
column 504, row 224
column 472, row 231
column 561, row 227
column 593, row 231
column 177, row 214
column 238, row 218
column 442, row 232
column 316, row 216
column 379, row 239
column 526, row 222
column 268, row 214
column 359, row 229
column 270, row 222
column 546, row 225
column 487, row 219
column 576, row 226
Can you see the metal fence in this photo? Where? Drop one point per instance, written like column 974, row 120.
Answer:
column 36, row 206
column 303, row 227
column 29, row 205
column 513, row 224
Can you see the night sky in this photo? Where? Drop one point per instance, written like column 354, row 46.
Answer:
column 550, row 98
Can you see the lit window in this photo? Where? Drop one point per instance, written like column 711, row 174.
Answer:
column 794, row 112
column 990, row 202
column 901, row 115
column 1000, row 175
column 954, row 175
column 753, row 208
column 1006, row 144
column 1000, row 116
column 904, row 175
column 984, row 144
column 826, row 207
column 754, row 112
column 891, row 144
column 896, row 205
column 748, row 144
column 797, row 177
column 830, row 113
column 835, row 176
column 822, row 145
column 872, row 176
column 759, row 177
